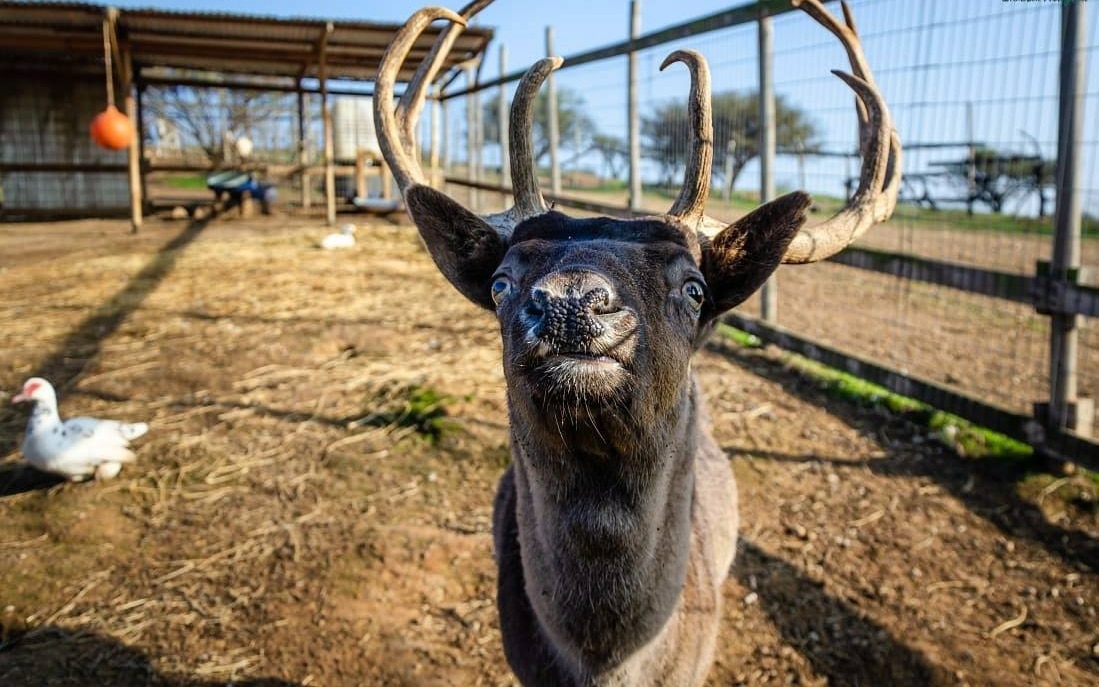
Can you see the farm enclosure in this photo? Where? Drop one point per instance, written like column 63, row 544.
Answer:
column 290, row 522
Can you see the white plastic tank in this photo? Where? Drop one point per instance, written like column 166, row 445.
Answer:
column 353, row 127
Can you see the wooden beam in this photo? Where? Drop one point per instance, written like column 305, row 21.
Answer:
column 244, row 85
column 63, row 167
column 1012, row 287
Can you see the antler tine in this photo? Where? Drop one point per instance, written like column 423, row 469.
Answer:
column 690, row 204
column 846, row 33
column 392, row 123
column 860, row 107
column 879, row 179
column 413, row 98
column 524, row 173
column 849, row 36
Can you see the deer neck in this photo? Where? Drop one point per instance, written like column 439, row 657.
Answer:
column 603, row 507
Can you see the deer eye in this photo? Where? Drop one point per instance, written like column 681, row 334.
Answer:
column 695, row 294
column 501, row 287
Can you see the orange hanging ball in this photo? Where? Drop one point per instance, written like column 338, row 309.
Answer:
column 112, row 130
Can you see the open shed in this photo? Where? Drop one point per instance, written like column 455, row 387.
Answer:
column 55, row 59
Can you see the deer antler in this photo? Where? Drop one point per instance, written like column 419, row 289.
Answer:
column 879, row 179
column 396, row 125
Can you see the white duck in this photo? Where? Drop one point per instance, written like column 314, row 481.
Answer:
column 78, row 448
column 344, row 239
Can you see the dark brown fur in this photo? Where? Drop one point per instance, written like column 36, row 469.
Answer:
column 615, row 525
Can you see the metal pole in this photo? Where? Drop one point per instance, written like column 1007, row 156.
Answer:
column 471, row 138
column 769, row 292
column 433, row 157
column 730, row 157
column 971, row 160
column 1066, row 239
column 446, row 137
column 502, row 125
column 551, row 120
column 633, row 114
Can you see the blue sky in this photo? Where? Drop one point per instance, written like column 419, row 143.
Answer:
column 945, row 66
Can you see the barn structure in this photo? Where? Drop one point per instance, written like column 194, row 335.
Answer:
column 57, row 57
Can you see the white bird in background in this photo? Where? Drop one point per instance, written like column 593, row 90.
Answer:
column 344, row 239
column 78, row 448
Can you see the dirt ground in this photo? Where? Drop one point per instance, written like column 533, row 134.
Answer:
column 312, row 503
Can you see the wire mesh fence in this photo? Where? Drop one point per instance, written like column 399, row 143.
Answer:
column 973, row 88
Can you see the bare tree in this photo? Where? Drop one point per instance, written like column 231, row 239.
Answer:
column 207, row 117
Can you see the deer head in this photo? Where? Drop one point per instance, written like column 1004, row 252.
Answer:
column 469, row 248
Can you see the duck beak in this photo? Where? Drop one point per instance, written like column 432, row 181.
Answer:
column 18, row 398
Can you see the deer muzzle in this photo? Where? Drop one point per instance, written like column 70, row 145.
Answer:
column 576, row 314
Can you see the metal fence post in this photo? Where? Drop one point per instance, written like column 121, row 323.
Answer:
column 502, row 123
column 769, row 292
column 633, row 115
column 471, row 138
column 445, row 137
column 551, row 120
column 433, row 157
column 1064, row 409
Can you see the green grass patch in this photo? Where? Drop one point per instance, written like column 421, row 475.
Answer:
column 963, row 436
column 189, row 182
column 741, row 338
column 419, row 408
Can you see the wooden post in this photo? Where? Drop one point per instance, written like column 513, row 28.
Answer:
column 133, row 153
column 551, row 120
column 139, row 127
column 360, row 173
column 633, row 114
column 326, row 114
column 306, row 197
column 769, row 293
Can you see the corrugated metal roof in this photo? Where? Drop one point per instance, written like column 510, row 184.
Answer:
column 71, row 33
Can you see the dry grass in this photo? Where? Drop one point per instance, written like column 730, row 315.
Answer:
column 289, row 523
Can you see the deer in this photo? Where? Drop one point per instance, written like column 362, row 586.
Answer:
column 615, row 525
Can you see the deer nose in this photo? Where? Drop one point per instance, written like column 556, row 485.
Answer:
column 570, row 312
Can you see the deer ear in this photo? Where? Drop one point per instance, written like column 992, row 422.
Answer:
column 465, row 248
column 739, row 259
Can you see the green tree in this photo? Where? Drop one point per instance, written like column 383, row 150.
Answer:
column 614, row 152
column 736, row 121
column 574, row 128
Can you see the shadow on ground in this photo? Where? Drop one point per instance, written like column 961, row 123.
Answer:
column 56, row 657
column 19, row 478
column 988, row 488
column 832, row 635
column 64, row 365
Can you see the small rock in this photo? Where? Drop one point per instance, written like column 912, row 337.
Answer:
column 751, row 598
